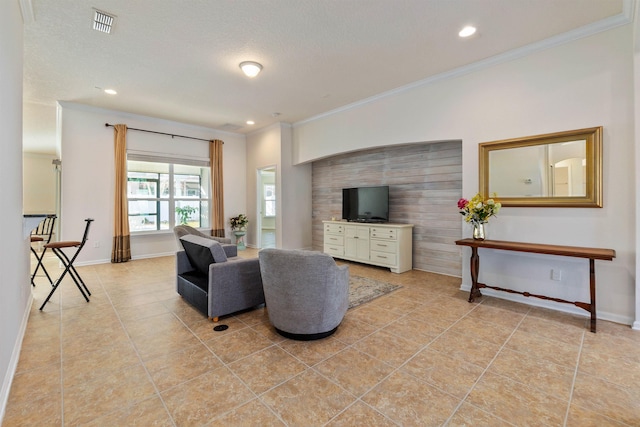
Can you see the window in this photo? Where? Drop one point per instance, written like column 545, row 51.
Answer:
column 269, row 200
column 163, row 193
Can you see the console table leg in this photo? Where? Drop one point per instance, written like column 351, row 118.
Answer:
column 592, row 289
column 475, row 267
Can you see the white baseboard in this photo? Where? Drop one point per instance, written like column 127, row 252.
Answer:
column 158, row 255
column 108, row 260
column 557, row 306
column 13, row 362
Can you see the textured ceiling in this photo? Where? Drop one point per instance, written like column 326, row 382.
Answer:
column 178, row 60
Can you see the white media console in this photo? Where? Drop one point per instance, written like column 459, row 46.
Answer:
column 385, row 245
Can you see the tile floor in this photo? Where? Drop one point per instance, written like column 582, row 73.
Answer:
column 421, row 356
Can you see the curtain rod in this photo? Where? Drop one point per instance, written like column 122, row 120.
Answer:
column 163, row 133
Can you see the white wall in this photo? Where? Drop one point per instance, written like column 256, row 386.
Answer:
column 15, row 289
column 88, row 167
column 272, row 147
column 583, row 83
column 39, row 182
column 39, row 122
column 296, row 197
column 263, row 150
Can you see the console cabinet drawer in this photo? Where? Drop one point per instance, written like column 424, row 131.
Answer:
column 334, row 250
column 384, row 233
column 384, row 246
column 333, row 239
column 383, row 258
column 334, row 228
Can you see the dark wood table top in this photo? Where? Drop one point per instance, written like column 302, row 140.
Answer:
column 570, row 251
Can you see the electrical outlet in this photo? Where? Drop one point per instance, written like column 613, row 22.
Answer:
column 96, row 244
column 556, row 274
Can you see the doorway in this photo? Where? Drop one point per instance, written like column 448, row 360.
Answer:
column 266, row 230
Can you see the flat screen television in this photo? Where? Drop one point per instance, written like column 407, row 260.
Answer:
column 366, row 204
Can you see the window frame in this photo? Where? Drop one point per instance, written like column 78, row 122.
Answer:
column 269, row 200
column 172, row 200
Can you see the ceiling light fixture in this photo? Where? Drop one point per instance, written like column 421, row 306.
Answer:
column 110, row 91
column 251, row 122
column 250, row 68
column 467, row 31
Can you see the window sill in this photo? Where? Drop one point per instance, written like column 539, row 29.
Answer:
column 151, row 233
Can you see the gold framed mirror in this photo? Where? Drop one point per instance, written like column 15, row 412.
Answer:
column 562, row 169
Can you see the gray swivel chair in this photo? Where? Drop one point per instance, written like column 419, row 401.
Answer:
column 213, row 283
column 306, row 292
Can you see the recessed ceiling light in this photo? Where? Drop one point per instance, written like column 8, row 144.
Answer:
column 250, row 68
column 251, row 122
column 467, row 31
column 110, row 91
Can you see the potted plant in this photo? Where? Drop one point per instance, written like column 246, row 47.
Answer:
column 238, row 225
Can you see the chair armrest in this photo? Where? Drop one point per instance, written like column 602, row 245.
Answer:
column 232, row 272
column 223, row 240
column 230, row 250
column 234, row 285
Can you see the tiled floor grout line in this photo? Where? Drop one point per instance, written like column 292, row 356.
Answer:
column 226, row 365
column 487, row 367
column 397, row 369
column 61, row 361
column 144, row 366
column 573, row 381
column 314, row 369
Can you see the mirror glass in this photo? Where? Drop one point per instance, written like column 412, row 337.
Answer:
column 560, row 169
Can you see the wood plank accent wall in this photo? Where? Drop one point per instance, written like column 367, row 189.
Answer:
column 425, row 183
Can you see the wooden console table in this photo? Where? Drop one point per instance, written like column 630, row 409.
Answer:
column 591, row 254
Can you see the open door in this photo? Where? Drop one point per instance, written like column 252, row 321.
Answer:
column 266, row 230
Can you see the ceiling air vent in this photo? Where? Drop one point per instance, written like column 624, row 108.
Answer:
column 102, row 21
column 230, row 127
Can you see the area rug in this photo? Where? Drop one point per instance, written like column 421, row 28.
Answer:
column 363, row 289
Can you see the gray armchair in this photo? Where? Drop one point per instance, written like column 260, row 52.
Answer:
column 306, row 293
column 213, row 283
column 183, row 230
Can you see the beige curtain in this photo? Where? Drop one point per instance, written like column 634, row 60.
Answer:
column 121, row 250
column 217, row 196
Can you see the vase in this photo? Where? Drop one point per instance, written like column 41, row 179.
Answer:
column 240, row 239
column 478, row 231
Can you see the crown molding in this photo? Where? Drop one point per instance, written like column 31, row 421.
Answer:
column 623, row 18
column 90, row 108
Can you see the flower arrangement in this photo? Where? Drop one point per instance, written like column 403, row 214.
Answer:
column 239, row 222
column 477, row 211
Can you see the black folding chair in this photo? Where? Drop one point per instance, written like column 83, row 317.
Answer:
column 57, row 247
column 42, row 233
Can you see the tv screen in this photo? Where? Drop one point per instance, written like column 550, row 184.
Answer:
column 366, row 204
